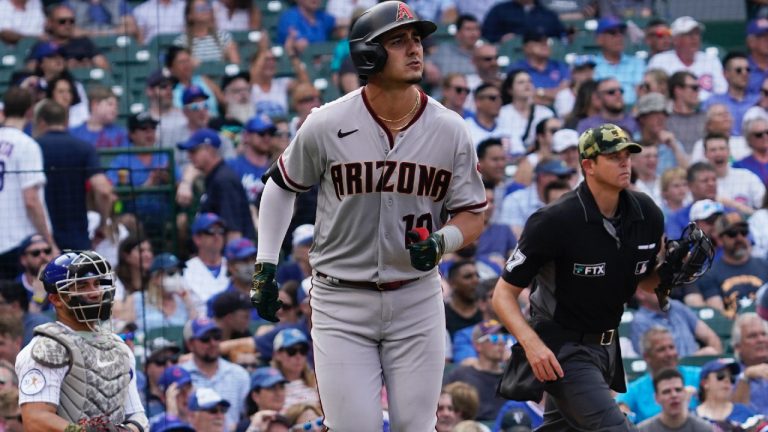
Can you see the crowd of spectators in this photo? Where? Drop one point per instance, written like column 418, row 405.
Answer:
column 701, row 119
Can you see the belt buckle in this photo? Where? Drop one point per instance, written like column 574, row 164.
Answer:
column 606, row 338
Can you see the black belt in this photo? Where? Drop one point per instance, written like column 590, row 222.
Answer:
column 605, row 338
column 386, row 286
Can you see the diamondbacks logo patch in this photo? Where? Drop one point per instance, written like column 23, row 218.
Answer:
column 403, row 12
column 589, row 270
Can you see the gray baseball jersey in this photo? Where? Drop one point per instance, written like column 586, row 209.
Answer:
column 374, row 188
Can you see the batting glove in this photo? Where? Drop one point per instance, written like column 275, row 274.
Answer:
column 264, row 291
column 425, row 252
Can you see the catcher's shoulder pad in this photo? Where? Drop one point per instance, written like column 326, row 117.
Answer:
column 49, row 352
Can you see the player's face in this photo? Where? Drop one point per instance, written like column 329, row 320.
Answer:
column 662, row 353
column 612, row 170
column 405, row 56
column 670, row 394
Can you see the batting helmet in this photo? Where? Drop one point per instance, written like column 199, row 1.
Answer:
column 367, row 54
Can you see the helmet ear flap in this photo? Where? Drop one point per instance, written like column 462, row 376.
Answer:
column 369, row 58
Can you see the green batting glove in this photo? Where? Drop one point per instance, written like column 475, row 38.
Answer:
column 264, row 291
column 425, row 254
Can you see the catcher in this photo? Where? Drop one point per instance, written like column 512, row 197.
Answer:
column 587, row 254
column 75, row 375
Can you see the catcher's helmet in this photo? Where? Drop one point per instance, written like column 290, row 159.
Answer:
column 367, row 54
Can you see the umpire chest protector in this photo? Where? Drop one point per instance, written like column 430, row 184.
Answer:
column 99, row 371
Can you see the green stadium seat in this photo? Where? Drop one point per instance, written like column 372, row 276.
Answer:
column 699, row 360
column 172, row 333
column 634, row 368
column 719, row 323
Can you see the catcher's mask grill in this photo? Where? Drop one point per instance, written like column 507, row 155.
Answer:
column 87, row 288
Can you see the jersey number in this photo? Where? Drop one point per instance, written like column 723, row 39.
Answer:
column 514, row 260
column 412, row 221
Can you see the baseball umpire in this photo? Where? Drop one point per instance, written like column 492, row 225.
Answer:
column 75, row 374
column 390, row 161
column 587, row 254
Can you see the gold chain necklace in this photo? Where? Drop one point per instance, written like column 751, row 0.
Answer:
column 415, row 105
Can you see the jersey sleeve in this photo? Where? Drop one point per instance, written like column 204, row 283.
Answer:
column 303, row 162
column 30, row 165
column 536, row 247
column 466, row 192
column 132, row 404
column 37, row 383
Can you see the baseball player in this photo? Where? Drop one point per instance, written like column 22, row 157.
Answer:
column 390, row 161
column 75, row 374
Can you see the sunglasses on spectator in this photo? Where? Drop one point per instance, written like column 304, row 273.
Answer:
column 469, row 275
column 552, row 130
column 488, row 59
column 613, row 91
column 460, row 90
column 307, row 426
column 741, row 70
column 127, row 336
column 309, row 99
column 299, row 349
column 495, row 338
column 196, row 106
column 218, row 409
column 283, row 134
column 614, row 32
column 163, row 361
column 490, row 97
column 694, row 87
column 36, row 253
column 645, row 86
column 759, row 134
column 216, row 336
column 764, row 91
column 63, row 21
column 721, row 375
column 736, row 232
column 213, row 232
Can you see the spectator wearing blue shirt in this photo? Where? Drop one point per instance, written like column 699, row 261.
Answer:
column 309, row 23
column 612, row 62
column 100, row 129
column 702, row 183
column 715, row 388
column 517, row 17
column 737, row 72
column 255, row 157
column 659, row 353
column 105, row 17
column 749, row 337
column 548, row 76
column 757, row 42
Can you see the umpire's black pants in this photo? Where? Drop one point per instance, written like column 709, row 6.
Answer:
column 582, row 399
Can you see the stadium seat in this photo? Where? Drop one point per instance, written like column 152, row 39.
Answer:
column 698, row 360
column 720, row 324
column 633, row 368
column 172, row 333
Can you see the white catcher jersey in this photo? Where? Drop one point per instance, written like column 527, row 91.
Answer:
column 374, row 188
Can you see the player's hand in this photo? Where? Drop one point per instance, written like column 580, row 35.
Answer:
column 426, row 250
column 543, row 362
column 264, row 291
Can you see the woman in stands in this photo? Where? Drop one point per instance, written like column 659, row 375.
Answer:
column 716, row 382
column 202, row 38
column 289, row 356
column 134, row 259
column 519, row 112
column 236, row 15
column 268, row 93
column 587, row 104
column 63, row 90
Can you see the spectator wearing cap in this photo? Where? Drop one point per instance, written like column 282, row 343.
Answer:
column 738, row 188
column 169, row 423
column 167, row 300
column 613, row 62
column 19, row 19
column 737, row 71
column 715, row 388
column 298, row 267
column 231, row 310
column 34, row 253
column 454, row 56
column 670, row 393
column 757, row 43
column 174, row 388
column 511, row 17
column 15, row 302
column 210, row 371
column 267, row 391
column 685, row 119
column 224, row 194
column 181, row 65
column 735, row 276
column 60, row 30
column 515, row 416
column 492, row 350
column 237, row 107
column 518, row 206
column 172, row 124
column 612, row 108
column 209, row 411
column 145, row 170
column 652, row 128
column 749, row 337
column 548, row 76
column 73, row 171
column 687, row 55
column 206, row 273
column 704, row 213
column 658, row 36
column 485, row 124
column 565, row 145
column 162, row 355
column 692, row 336
column 255, row 156
column 290, row 353
column 100, row 129
column 582, row 70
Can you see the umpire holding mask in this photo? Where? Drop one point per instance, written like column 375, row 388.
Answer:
column 583, row 257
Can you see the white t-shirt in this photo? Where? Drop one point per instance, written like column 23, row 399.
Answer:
column 276, row 97
column 155, row 17
column 742, row 185
column 21, row 167
column 237, row 22
column 652, row 189
column 707, row 68
column 511, row 119
column 202, row 283
column 478, row 133
column 27, row 22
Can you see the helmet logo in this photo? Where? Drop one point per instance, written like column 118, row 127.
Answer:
column 403, row 12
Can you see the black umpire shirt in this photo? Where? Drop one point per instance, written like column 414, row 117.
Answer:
column 585, row 265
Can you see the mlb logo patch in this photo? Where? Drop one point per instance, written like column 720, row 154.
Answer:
column 589, row 270
column 641, row 267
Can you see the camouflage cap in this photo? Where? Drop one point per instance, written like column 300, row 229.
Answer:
column 605, row 139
